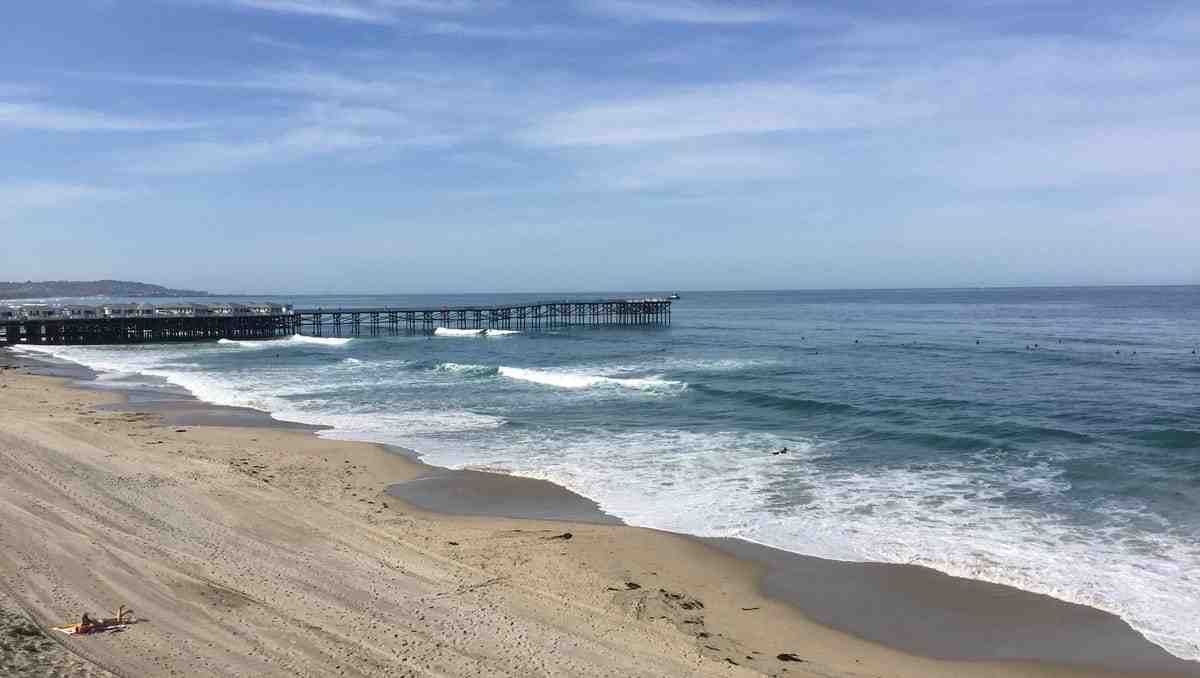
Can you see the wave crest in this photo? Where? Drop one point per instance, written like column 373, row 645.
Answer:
column 295, row 339
column 456, row 332
column 319, row 341
column 465, row 368
column 452, row 332
column 581, row 381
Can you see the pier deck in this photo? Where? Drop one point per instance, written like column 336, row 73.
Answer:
column 335, row 322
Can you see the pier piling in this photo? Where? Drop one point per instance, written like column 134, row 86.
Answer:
column 96, row 328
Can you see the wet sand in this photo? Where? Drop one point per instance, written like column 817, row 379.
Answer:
column 932, row 614
column 908, row 607
column 254, row 550
column 490, row 494
column 191, row 412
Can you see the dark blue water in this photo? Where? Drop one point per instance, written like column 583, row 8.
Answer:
column 1043, row 438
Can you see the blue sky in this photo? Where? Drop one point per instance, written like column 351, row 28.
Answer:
column 493, row 145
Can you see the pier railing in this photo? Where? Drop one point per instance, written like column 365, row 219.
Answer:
column 84, row 328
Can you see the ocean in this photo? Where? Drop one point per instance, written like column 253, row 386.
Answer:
column 1044, row 438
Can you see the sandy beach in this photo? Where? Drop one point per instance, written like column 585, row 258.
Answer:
column 251, row 550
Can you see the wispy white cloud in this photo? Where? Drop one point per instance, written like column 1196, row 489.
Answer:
column 277, row 43
column 327, row 84
column 311, row 83
column 696, row 166
column 360, row 11
column 21, row 197
column 1078, row 158
column 15, row 90
column 687, row 11
column 1181, row 26
column 204, row 157
column 1171, row 212
column 939, row 100
column 737, row 108
column 444, row 100
column 528, row 32
column 322, row 129
column 329, row 9
column 339, row 116
column 34, row 116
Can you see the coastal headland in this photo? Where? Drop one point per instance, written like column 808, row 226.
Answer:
column 251, row 549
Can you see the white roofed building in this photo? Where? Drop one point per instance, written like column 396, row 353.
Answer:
column 228, row 308
column 127, row 310
column 265, row 308
column 38, row 311
column 186, row 309
column 77, row 311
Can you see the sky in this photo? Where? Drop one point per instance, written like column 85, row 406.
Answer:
column 376, row 146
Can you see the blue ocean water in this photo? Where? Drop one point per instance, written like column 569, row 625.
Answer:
column 1043, row 438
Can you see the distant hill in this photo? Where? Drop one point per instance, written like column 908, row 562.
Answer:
column 89, row 288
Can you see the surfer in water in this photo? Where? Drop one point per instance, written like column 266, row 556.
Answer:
column 782, row 450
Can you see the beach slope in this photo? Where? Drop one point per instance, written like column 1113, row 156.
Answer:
column 267, row 552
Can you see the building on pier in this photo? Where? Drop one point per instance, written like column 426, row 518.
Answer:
column 78, row 311
column 227, row 308
column 126, row 310
column 129, row 323
column 186, row 310
column 260, row 308
column 38, row 311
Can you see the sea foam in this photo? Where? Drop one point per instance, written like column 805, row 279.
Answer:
column 462, row 368
column 452, row 332
column 957, row 515
column 293, row 340
column 319, row 341
column 580, row 381
column 728, row 484
column 457, row 332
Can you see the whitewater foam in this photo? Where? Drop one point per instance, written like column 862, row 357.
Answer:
column 462, row 368
column 243, row 343
column 572, row 380
column 453, row 332
column 955, row 517
column 400, row 428
column 457, row 332
column 125, row 361
column 336, row 342
column 919, row 516
column 726, row 484
column 293, row 340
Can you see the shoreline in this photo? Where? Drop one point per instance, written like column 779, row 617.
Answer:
column 986, row 625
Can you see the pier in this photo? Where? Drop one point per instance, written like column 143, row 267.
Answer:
column 125, row 324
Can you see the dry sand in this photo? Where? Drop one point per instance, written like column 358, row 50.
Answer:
column 267, row 552
column 27, row 651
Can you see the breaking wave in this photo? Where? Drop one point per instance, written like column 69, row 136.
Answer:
column 465, row 368
column 319, row 341
column 580, row 381
column 293, row 340
column 456, row 332
column 452, row 332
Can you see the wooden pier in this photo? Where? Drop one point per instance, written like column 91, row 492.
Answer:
column 335, row 322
